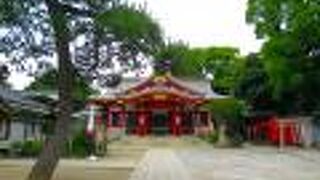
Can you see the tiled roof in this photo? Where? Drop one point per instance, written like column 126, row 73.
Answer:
column 20, row 99
column 200, row 87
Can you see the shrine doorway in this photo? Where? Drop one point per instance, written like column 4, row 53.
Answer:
column 131, row 122
column 159, row 122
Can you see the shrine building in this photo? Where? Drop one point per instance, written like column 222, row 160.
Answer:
column 158, row 105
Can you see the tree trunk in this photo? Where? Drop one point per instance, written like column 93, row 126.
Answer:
column 7, row 129
column 54, row 146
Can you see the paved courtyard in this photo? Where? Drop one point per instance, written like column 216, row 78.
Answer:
column 208, row 163
column 181, row 159
column 251, row 164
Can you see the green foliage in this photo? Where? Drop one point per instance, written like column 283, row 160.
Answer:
column 16, row 146
column 278, row 66
column 82, row 89
column 190, row 66
column 177, row 54
column 29, row 148
column 79, row 145
column 5, row 111
column 31, row 32
column 224, row 62
column 10, row 10
column 49, row 124
column 227, row 110
column 48, row 83
column 232, row 113
column 46, row 28
column 274, row 17
column 32, row 148
column 291, row 52
column 132, row 26
column 253, row 84
column 45, row 82
column 211, row 138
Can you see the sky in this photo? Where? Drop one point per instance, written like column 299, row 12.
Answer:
column 204, row 23
column 199, row 23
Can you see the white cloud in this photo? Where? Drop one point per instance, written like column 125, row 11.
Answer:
column 205, row 22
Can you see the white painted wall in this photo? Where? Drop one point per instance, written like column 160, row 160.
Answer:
column 2, row 129
column 16, row 131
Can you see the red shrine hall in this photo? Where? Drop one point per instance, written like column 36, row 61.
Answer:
column 159, row 105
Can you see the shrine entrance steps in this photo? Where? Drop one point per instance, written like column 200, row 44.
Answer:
column 131, row 146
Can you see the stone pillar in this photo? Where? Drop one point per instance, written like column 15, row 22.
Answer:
column 91, row 120
column 306, row 131
column 210, row 124
column 196, row 123
column 123, row 121
column 90, row 130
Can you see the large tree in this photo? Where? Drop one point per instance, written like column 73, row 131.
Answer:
column 229, row 114
column 4, row 74
column 46, row 84
column 253, row 86
column 177, row 54
column 291, row 51
column 224, row 63
column 38, row 31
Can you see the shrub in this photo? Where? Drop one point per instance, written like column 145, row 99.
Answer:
column 16, row 147
column 211, row 138
column 29, row 148
column 230, row 112
column 79, row 145
column 32, row 148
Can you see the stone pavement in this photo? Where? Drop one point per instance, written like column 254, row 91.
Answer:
column 251, row 163
column 181, row 159
column 208, row 163
column 160, row 164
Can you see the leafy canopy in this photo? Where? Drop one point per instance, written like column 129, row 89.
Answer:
column 133, row 26
column 47, row 83
column 224, row 63
column 101, row 33
column 291, row 52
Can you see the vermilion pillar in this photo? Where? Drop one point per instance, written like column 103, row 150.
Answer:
column 176, row 123
column 142, row 124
